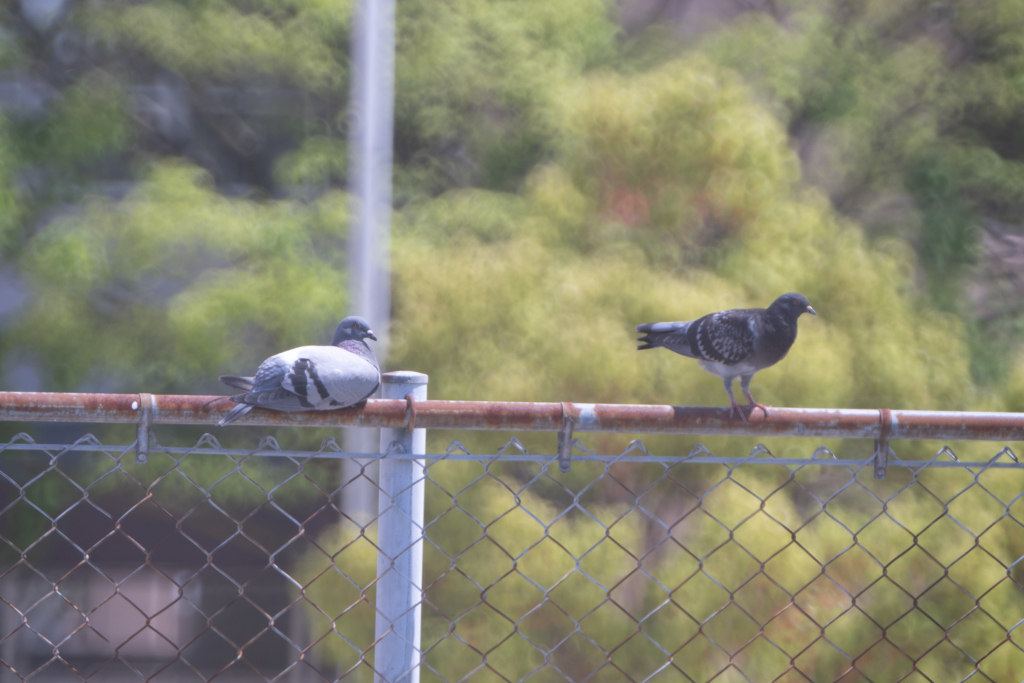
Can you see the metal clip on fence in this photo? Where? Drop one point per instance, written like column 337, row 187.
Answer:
column 146, row 406
column 410, row 411
column 882, row 443
column 570, row 414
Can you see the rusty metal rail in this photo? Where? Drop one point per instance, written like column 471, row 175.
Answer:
column 509, row 416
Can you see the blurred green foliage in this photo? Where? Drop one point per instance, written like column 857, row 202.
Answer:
column 563, row 273
column 88, row 123
column 908, row 115
column 733, row 576
column 160, row 281
column 675, row 168
column 301, row 42
column 10, row 209
column 556, row 183
column 473, row 82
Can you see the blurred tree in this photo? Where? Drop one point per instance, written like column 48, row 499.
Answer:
column 472, row 76
column 175, row 282
column 561, row 275
column 906, row 114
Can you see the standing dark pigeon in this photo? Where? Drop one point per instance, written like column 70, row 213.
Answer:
column 733, row 343
column 312, row 377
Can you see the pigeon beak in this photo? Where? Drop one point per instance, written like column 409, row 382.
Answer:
column 371, row 335
column 811, row 310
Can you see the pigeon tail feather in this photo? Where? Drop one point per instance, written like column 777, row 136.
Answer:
column 243, row 383
column 671, row 336
column 235, row 413
column 678, row 327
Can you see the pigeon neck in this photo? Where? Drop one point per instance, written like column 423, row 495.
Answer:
column 360, row 348
column 780, row 325
column 783, row 315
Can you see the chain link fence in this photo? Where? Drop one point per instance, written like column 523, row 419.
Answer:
column 208, row 563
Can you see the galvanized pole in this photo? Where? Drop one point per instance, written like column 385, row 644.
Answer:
column 370, row 147
column 400, row 538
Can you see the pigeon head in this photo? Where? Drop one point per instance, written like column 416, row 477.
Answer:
column 353, row 327
column 792, row 305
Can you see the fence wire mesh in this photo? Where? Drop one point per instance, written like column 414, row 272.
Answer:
column 209, row 563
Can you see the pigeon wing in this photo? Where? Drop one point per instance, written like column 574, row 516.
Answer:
column 270, row 388
column 339, row 377
column 270, row 373
column 726, row 337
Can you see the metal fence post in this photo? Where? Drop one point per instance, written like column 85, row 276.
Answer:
column 400, row 538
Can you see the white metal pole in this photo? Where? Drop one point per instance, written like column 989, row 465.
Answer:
column 400, row 539
column 370, row 149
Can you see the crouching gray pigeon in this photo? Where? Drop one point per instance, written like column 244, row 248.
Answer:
column 733, row 343
column 312, row 377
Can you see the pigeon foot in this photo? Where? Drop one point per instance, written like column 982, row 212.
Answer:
column 755, row 404
column 736, row 410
